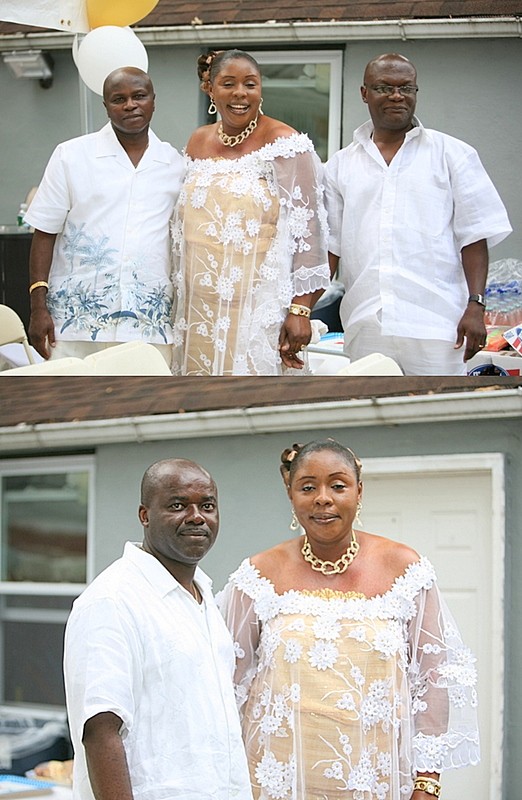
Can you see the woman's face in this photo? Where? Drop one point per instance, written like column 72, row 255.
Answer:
column 324, row 492
column 236, row 90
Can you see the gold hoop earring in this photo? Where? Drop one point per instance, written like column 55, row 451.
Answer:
column 212, row 107
column 358, row 514
column 260, row 109
column 294, row 524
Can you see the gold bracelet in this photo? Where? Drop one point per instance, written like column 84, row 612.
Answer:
column 299, row 311
column 428, row 785
column 36, row 285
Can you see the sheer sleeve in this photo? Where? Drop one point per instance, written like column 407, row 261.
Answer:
column 241, row 619
column 298, row 173
column 443, row 689
column 334, row 204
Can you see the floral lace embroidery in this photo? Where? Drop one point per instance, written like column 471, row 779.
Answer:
column 371, row 694
column 398, row 602
column 248, row 235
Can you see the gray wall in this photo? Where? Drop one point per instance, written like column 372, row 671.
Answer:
column 32, row 123
column 469, row 88
column 255, row 512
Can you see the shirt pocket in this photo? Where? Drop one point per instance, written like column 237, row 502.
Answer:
column 427, row 209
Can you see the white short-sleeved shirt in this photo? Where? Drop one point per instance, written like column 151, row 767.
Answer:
column 110, row 278
column 137, row 644
column 399, row 229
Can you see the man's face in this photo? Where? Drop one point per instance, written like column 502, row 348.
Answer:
column 390, row 111
column 181, row 520
column 129, row 100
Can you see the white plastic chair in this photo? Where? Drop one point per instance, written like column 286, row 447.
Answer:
column 12, row 331
column 374, row 364
column 58, row 366
column 129, row 358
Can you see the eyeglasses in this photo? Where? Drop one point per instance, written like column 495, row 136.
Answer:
column 389, row 90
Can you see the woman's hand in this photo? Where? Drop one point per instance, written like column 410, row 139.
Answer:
column 295, row 334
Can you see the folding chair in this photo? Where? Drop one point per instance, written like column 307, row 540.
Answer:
column 57, row 366
column 129, row 358
column 374, row 364
column 12, row 330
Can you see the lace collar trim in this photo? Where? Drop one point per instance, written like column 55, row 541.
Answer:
column 285, row 146
column 397, row 602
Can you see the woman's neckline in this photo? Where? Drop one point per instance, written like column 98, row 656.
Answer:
column 221, row 158
column 334, row 593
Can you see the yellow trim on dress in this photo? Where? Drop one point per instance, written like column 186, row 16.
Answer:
column 331, row 594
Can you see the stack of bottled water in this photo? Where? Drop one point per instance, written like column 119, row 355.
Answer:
column 504, row 293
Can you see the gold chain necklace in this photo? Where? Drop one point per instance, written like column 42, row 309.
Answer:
column 232, row 141
column 331, row 567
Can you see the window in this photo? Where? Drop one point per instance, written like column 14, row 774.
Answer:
column 46, row 516
column 304, row 89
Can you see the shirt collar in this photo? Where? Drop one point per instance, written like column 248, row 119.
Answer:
column 159, row 577
column 107, row 144
column 363, row 134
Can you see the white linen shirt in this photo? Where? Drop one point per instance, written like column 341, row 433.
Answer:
column 399, row 229
column 137, row 644
column 110, row 278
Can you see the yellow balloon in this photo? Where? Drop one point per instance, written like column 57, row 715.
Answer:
column 118, row 12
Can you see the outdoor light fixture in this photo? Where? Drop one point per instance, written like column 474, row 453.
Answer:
column 31, row 64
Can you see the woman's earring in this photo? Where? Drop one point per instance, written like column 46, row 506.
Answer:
column 294, row 525
column 260, row 109
column 212, row 107
column 358, row 514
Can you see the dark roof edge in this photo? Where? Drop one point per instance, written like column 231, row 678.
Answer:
column 362, row 412
column 293, row 32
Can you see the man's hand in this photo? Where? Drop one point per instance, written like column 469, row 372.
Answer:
column 471, row 328
column 41, row 331
column 41, row 326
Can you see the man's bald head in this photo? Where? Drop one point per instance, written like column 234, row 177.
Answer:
column 158, row 472
column 123, row 74
column 386, row 61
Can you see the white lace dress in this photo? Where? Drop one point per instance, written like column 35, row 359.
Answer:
column 248, row 235
column 345, row 696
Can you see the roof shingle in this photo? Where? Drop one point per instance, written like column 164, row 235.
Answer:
column 172, row 13
column 69, row 399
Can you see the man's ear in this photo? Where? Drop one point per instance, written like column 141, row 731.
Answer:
column 364, row 94
column 143, row 515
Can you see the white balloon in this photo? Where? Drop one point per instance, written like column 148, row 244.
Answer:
column 105, row 49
